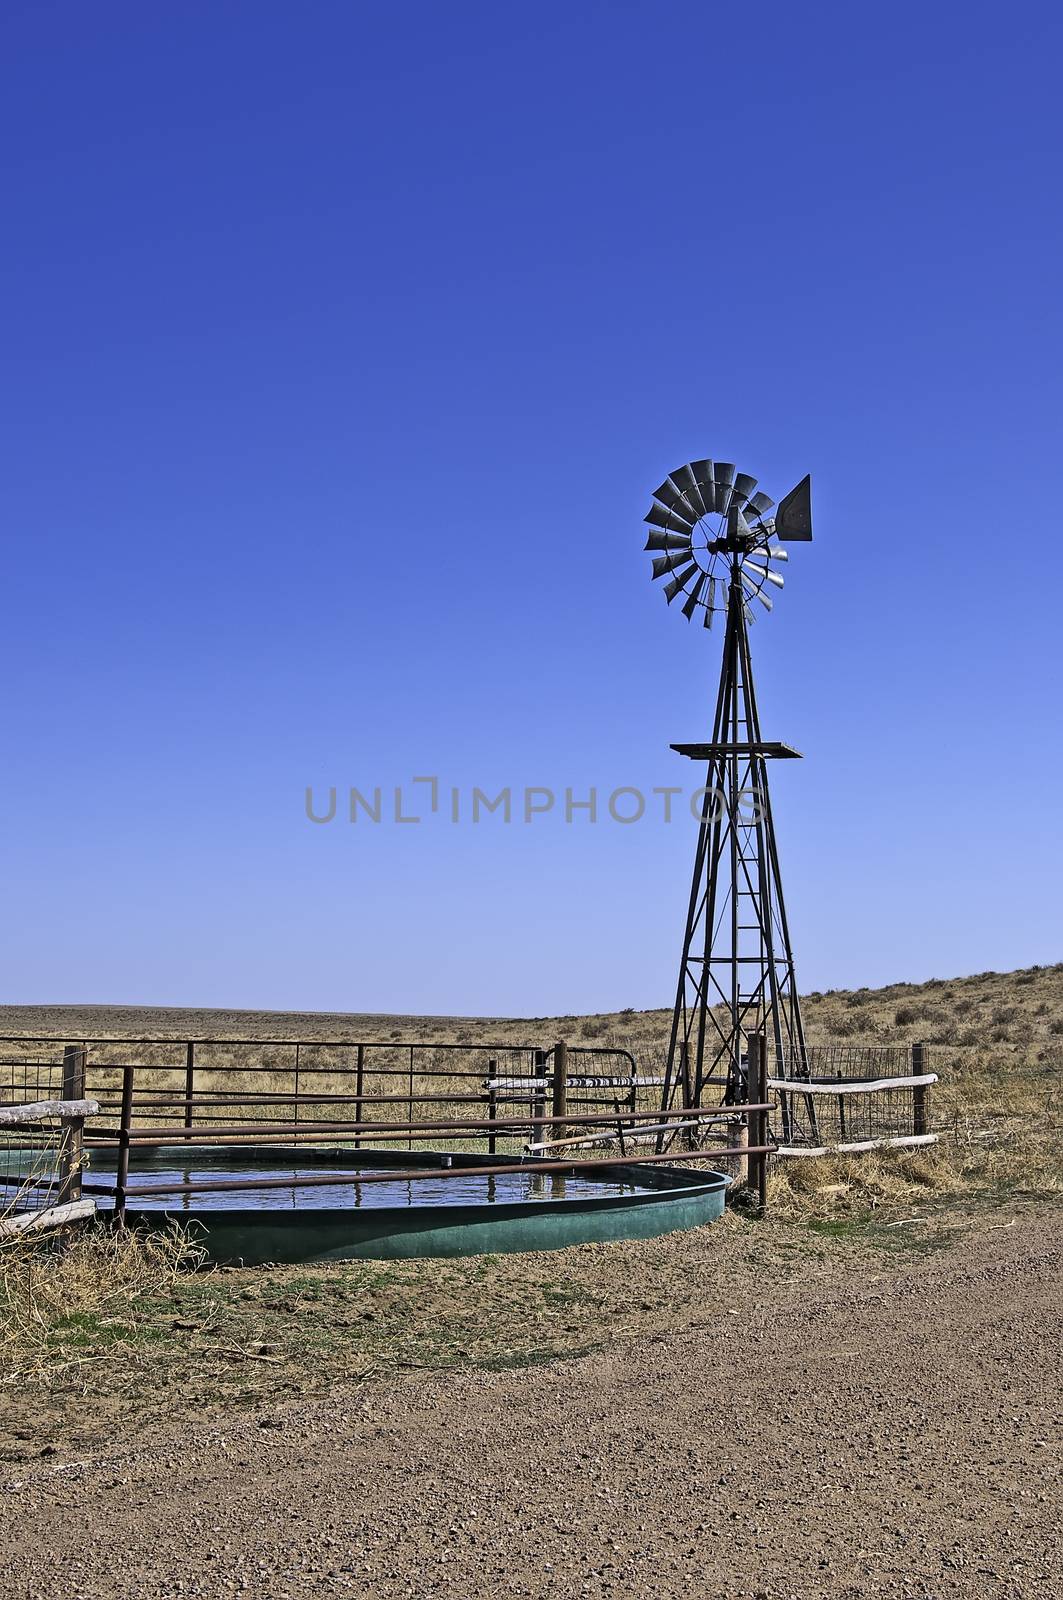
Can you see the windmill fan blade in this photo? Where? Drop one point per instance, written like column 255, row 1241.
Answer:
column 775, row 552
column 670, row 563
column 692, row 599
column 744, row 486
column 667, row 541
column 764, row 600
column 679, row 582
column 724, row 472
column 760, row 503
column 793, row 518
column 671, row 496
column 668, row 517
column 708, row 615
column 762, row 572
column 684, row 479
column 702, row 471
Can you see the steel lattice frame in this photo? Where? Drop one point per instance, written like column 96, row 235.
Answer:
column 736, row 973
column 737, row 969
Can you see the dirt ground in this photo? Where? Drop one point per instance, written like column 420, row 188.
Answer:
column 858, row 1420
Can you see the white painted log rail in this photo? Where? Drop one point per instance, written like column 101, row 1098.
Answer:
column 803, row 1086
column 41, row 1110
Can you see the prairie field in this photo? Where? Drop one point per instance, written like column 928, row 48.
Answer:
column 118, row 1353
column 995, row 1039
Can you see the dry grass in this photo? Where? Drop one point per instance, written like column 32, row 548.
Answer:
column 120, row 1317
column 65, row 1299
column 996, row 1039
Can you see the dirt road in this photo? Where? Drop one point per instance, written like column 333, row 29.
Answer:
column 896, row 1437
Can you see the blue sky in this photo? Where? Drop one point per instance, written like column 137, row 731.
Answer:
column 343, row 345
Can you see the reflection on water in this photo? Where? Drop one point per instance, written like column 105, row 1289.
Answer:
column 462, row 1189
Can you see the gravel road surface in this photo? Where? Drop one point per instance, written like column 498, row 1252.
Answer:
column 893, row 1437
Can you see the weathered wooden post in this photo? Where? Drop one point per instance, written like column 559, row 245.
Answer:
column 538, row 1101
column 684, row 1075
column 757, row 1121
column 71, row 1139
column 690, row 1132
column 919, row 1117
column 560, row 1098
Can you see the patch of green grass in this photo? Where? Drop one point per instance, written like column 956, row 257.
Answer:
column 908, row 1235
column 85, row 1330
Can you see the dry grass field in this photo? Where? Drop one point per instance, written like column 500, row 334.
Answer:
column 145, row 1336
column 996, row 1039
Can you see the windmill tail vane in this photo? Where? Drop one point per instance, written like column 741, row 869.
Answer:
column 719, row 541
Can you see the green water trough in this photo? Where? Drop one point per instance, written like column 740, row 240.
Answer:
column 386, row 1203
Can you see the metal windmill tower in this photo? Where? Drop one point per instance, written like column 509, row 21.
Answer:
column 713, row 539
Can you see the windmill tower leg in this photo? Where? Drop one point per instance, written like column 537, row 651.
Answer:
column 737, row 970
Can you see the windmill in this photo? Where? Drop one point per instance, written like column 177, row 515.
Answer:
column 715, row 542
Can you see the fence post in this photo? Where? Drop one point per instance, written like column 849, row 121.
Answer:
column 71, row 1138
column 190, row 1079
column 690, row 1132
column 919, row 1118
column 492, row 1103
column 560, row 1107
column 618, row 1108
column 538, row 1103
column 684, row 1075
column 757, row 1121
column 359, row 1089
column 409, row 1106
column 121, row 1180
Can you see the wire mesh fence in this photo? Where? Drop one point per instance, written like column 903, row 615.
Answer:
column 368, row 1092
column 31, row 1156
column 881, row 1094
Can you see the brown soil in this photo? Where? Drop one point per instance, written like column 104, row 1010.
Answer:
column 883, row 1423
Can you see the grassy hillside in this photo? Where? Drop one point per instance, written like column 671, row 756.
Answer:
column 996, row 1039
column 1018, row 1012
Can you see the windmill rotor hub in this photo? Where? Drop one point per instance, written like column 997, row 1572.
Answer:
column 711, row 531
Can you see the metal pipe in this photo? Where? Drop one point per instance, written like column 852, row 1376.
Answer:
column 122, row 1173
column 492, row 1108
column 190, row 1080
column 359, row 1103
column 438, row 1125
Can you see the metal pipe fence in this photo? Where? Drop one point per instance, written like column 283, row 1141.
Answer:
column 560, row 1108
